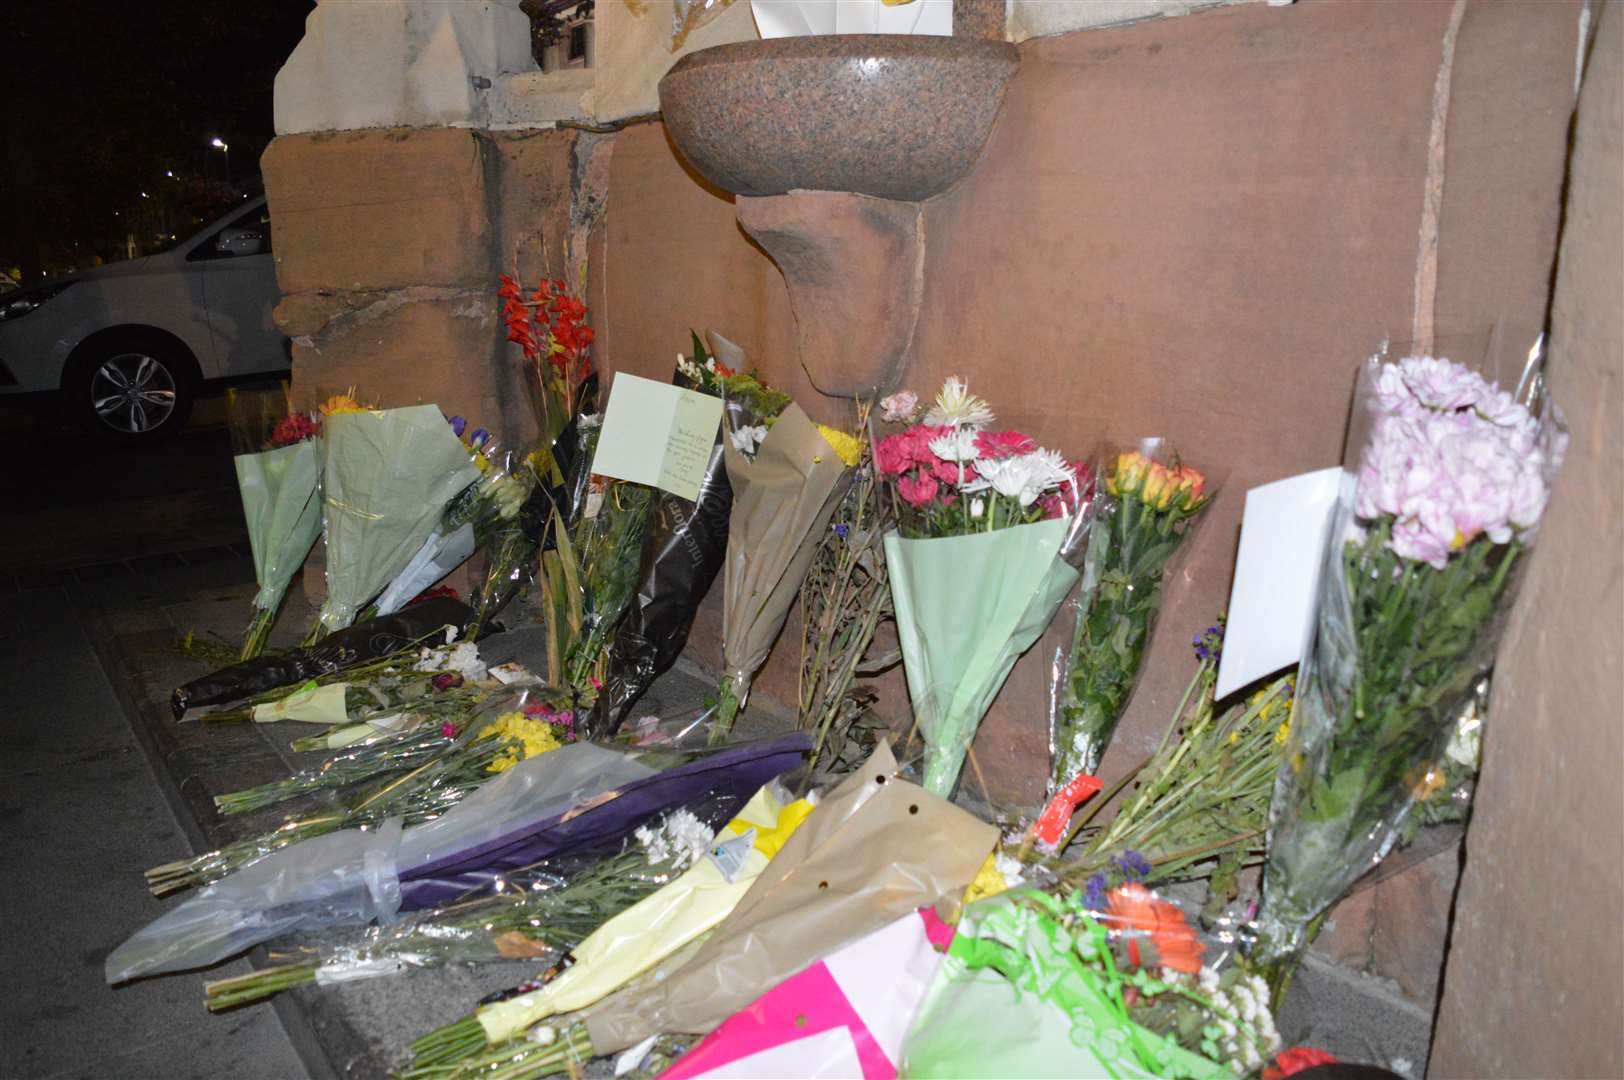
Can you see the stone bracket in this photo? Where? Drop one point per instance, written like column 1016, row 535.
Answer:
column 854, row 265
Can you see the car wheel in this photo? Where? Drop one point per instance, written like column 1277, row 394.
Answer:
column 132, row 390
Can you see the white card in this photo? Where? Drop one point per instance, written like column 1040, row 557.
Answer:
column 657, row 434
column 1271, row 604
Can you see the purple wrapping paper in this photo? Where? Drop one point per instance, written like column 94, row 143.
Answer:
column 734, row 773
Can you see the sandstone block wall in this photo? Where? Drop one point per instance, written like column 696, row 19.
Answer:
column 1534, row 985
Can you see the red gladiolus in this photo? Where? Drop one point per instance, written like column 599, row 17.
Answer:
column 1289, row 1062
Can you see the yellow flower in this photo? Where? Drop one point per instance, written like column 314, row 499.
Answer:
column 1283, row 732
column 989, row 881
column 1428, row 785
column 849, row 448
column 526, row 737
column 341, row 403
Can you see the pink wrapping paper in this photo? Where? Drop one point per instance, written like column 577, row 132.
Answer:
column 844, row 1016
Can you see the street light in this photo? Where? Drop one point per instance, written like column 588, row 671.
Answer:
column 224, row 148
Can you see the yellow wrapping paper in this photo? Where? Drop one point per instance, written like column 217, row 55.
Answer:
column 877, row 848
column 310, row 704
column 654, row 928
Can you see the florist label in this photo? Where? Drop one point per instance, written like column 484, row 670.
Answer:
column 657, row 434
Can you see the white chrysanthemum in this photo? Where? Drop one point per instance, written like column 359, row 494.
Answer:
column 1027, row 477
column 680, row 839
column 747, row 440
column 978, row 506
column 957, row 445
column 957, row 407
column 1009, row 868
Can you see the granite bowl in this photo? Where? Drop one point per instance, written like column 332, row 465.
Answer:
column 892, row 116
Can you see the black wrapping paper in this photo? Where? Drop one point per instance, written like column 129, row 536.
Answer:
column 686, row 544
column 356, row 644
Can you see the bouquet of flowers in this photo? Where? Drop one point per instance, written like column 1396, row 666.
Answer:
column 630, row 943
column 389, row 474
column 278, row 465
column 990, row 527
column 1196, row 808
column 541, row 912
column 483, row 742
column 559, row 799
column 479, row 517
column 787, row 475
column 1421, row 568
column 683, row 549
column 1039, row 985
column 1145, row 511
column 845, row 599
column 370, row 647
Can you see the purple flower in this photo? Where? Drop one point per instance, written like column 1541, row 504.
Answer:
column 457, row 424
column 1450, row 457
column 1094, row 895
column 1134, row 866
column 842, row 529
column 1210, row 642
column 479, row 437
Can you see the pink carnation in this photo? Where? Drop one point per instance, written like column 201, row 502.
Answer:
column 918, row 490
column 957, row 473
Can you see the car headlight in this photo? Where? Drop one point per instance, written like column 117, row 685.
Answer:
column 19, row 304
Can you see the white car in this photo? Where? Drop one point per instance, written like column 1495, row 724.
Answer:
column 130, row 345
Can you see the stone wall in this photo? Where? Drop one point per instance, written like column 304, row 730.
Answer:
column 1193, row 228
column 1534, row 985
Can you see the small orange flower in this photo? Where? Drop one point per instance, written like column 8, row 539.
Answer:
column 1139, row 920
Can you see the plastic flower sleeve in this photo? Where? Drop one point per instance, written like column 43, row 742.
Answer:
column 1033, row 985
column 277, row 455
column 1425, row 553
column 388, row 475
column 1146, row 507
column 967, row 607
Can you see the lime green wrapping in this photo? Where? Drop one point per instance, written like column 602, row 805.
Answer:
column 281, row 500
column 1013, row 998
column 388, row 477
column 967, row 607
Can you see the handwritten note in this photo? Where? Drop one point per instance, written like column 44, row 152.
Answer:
column 657, row 434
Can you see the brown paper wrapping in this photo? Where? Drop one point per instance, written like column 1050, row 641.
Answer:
column 782, row 502
column 877, row 848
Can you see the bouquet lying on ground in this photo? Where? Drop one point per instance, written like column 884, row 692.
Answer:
column 990, row 528
column 541, row 912
column 1039, row 985
column 787, row 475
column 278, row 458
column 388, row 476
column 488, row 738
column 1422, row 565
column 877, row 848
column 369, row 647
column 683, row 549
column 575, row 798
column 1145, row 510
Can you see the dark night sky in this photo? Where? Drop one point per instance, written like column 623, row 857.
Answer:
column 101, row 98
